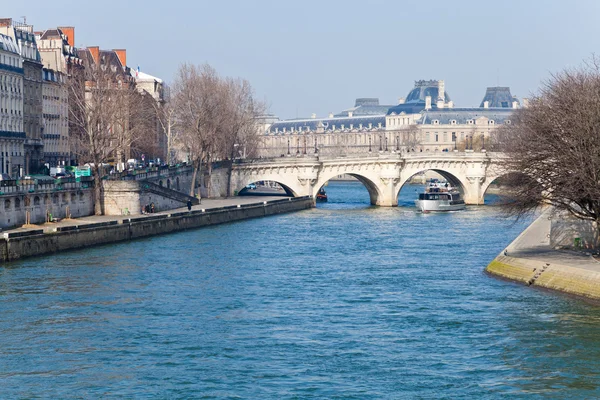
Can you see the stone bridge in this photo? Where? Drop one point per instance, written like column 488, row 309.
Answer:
column 383, row 174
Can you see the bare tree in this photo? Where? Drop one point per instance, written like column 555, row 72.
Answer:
column 102, row 105
column 554, row 145
column 198, row 103
column 239, row 134
column 165, row 113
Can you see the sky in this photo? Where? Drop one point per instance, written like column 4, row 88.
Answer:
column 312, row 56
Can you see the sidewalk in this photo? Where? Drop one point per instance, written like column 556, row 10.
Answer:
column 529, row 259
column 206, row 204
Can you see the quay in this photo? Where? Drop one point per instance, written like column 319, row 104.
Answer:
column 531, row 260
column 69, row 234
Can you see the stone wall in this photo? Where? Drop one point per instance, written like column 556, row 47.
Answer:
column 17, row 245
column 567, row 232
column 130, row 197
column 15, row 207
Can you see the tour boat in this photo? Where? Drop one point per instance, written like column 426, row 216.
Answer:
column 439, row 196
column 322, row 196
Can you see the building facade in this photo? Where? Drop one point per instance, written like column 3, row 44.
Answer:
column 55, row 116
column 425, row 121
column 60, row 60
column 12, row 134
column 32, row 90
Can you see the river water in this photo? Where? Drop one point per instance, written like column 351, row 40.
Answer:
column 345, row 301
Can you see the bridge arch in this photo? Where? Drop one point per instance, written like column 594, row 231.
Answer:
column 455, row 178
column 368, row 182
column 289, row 186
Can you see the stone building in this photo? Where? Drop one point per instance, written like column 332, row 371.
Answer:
column 12, row 134
column 426, row 120
column 153, row 95
column 60, row 60
column 32, row 90
column 55, row 116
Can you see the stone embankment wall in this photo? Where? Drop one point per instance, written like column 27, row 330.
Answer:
column 569, row 279
column 129, row 197
column 15, row 207
column 541, row 265
column 23, row 244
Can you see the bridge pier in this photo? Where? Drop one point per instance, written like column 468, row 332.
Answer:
column 388, row 195
column 474, row 194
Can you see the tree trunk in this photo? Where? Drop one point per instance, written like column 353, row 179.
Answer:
column 229, row 172
column 196, row 165
column 209, row 185
column 98, row 191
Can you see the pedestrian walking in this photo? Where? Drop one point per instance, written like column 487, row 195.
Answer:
column 189, row 205
column 152, row 208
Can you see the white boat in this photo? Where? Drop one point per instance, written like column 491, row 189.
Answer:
column 439, row 196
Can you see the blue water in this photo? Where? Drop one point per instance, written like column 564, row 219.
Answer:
column 345, row 301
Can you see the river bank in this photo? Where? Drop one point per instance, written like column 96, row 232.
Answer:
column 531, row 260
column 90, row 231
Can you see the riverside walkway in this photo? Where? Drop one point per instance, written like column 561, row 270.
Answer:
column 206, row 204
column 530, row 259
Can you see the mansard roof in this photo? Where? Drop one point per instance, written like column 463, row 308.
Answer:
column 498, row 97
column 8, row 44
column 327, row 124
column 365, row 106
column 463, row 115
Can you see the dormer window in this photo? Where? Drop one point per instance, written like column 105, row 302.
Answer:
column 470, row 122
column 491, row 122
column 436, row 122
column 453, row 122
column 507, row 122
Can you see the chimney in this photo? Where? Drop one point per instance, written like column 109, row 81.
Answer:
column 428, row 102
column 401, row 100
column 122, row 54
column 313, row 115
column 69, row 31
column 525, row 102
column 350, row 114
column 450, row 104
column 6, row 22
column 440, row 103
column 486, row 104
column 515, row 104
column 95, row 52
column 330, row 115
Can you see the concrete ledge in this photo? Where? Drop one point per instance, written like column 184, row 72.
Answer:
column 31, row 232
column 98, row 225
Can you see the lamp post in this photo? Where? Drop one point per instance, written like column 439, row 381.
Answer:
column 288, row 146
column 297, row 146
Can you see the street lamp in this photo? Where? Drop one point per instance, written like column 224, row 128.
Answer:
column 288, row 146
